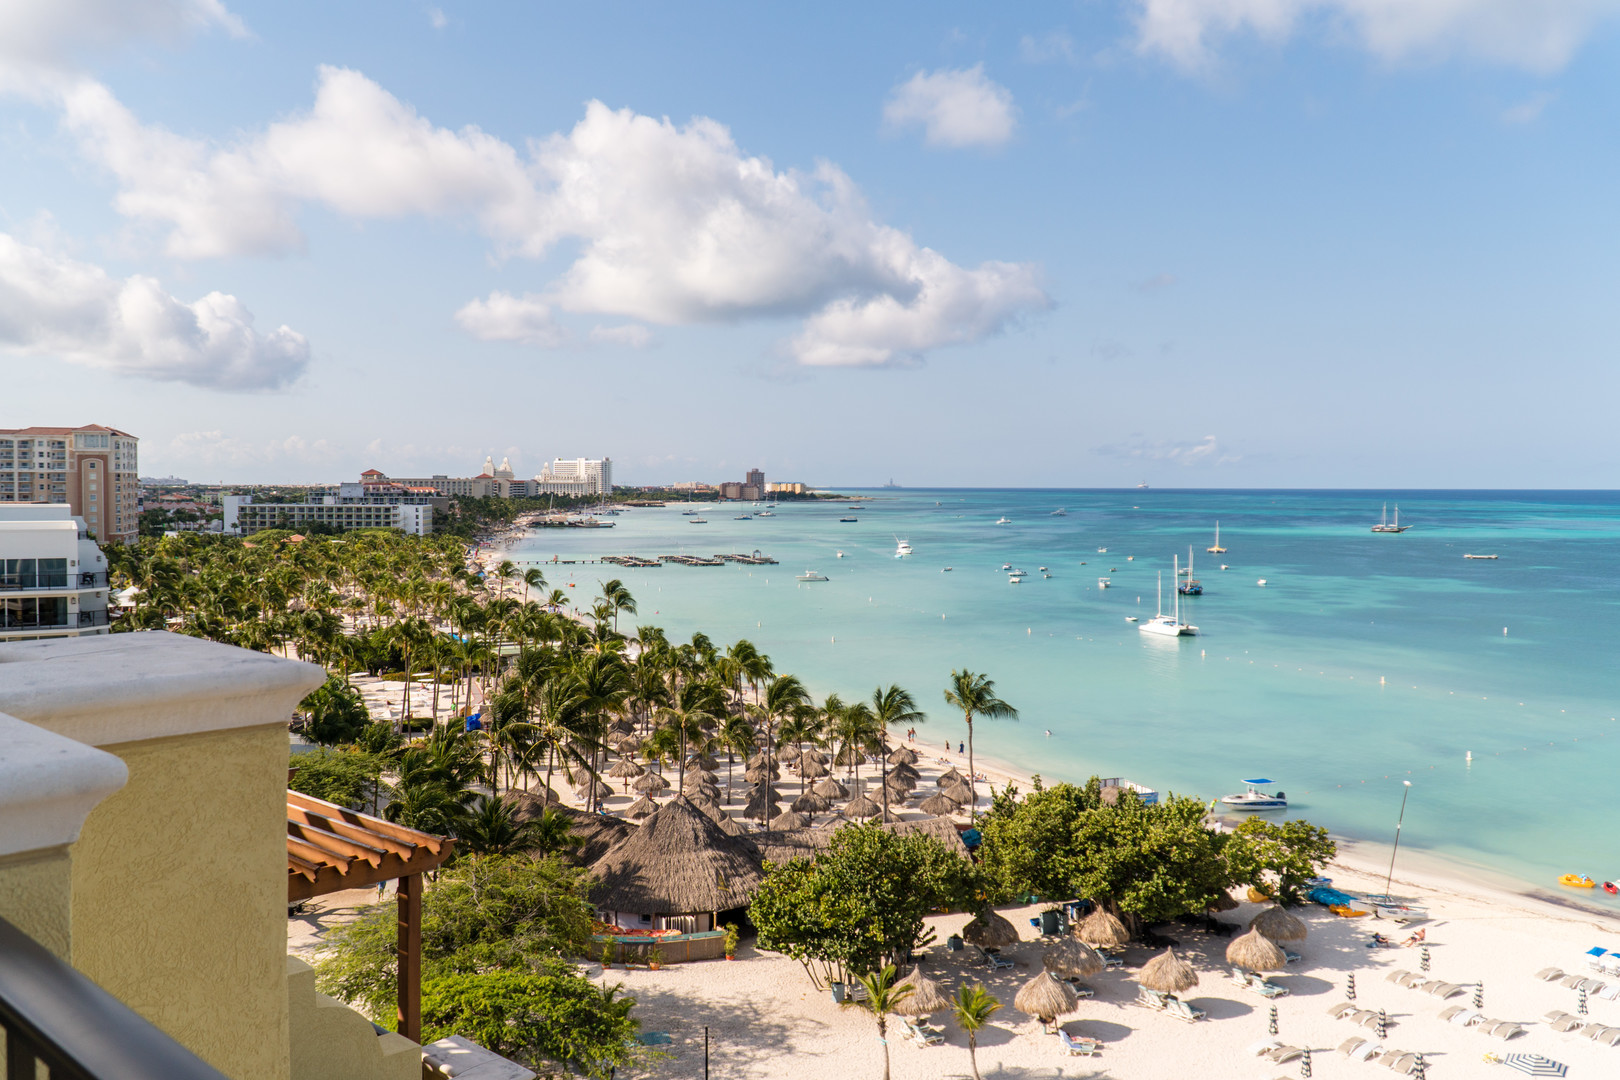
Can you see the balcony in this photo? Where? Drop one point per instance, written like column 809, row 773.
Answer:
column 97, row 580
column 18, row 582
column 92, row 618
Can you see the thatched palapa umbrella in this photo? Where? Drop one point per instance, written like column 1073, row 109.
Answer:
column 849, row 756
column 642, row 807
column 1255, row 952
column 728, row 825
column 811, row 803
column 596, row 789
column 790, row 819
column 939, row 804
column 906, row 771
column 861, row 807
column 758, row 760
column 902, row 755
column 989, row 930
column 925, row 997
column 961, row 792
column 1278, row 925
column 831, row 789
column 626, row 770
column 627, row 745
column 760, row 774
column 950, row 776
column 811, row 769
column 1102, row 928
column 1046, row 998
column 1072, row 957
column 702, row 761
column 812, row 754
column 650, row 783
column 1223, row 902
column 1167, row 973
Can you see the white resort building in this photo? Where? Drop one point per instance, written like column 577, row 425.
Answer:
column 53, row 577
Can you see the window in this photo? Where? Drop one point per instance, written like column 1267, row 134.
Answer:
column 29, row 611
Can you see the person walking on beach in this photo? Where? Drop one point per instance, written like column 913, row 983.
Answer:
column 961, row 747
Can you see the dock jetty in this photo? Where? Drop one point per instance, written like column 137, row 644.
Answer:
column 756, row 559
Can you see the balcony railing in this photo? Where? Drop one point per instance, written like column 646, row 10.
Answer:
column 97, row 580
column 54, row 1016
column 14, row 582
column 93, row 618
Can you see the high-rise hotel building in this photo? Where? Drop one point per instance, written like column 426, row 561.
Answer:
column 93, row 469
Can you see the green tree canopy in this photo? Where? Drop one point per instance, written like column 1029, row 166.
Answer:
column 534, row 1018
column 336, row 713
column 860, row 904
column 1278, row 858
column 347, row 777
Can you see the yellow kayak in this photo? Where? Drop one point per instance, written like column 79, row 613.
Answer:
column 1345, row 911
column 1576, row 881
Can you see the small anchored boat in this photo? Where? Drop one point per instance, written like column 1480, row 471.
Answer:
column 811, row 575
column 1481, row 556
column 1255, row 799
column 1576, row 881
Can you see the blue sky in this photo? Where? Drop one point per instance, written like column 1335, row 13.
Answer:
column 1189, row 242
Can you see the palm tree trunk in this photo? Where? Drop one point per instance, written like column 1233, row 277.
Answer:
column 883, row 1037
column 973, row 782
column 973, row 1054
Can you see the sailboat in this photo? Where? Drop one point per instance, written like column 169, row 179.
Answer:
column 1060, row 512
column 1192, row 586
column 1167, row 625
column 1386, row 526
column 1216, row 549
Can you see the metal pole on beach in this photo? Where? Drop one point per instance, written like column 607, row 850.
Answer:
column 1399, row 822
column 705, row 1052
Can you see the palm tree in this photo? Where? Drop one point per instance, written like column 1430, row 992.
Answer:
column 490, row 828
column 972, row 1007
column 533, row 580
column 618, row 598
column 891, row 708
column 882, row 998
column 736, row 736
column 975, row 695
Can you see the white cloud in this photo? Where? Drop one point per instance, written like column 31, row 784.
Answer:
column 54, row 306
column 525, row 319
column 437, row 19
column 214, row 448
column 1529, row 110
column 1205, row 451
column 672, row 224
column 1054, row 45
column 634, row 335
column 954, row 108
column 42, row 39
column 1540, row 35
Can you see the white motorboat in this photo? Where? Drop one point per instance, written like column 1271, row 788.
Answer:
column 1131, row 618
column 811, row 575
column 1481, row 556
column 1014, row 580
column 1043, row 569
column 1255, row 799
column 1102, row 551
column 902, row 548
column 1006, row 566
column 1103, row 583
column 946, row 570
column 1168, row 625
column 1261, row 583
column 697, row 521
column 765, row 513
column 1060, row 512
column 1004, row 521
column 840, row 554
column 1017, row 573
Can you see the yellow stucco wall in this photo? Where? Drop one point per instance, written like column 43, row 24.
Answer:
column 180, row 893
column 36, row 896
column 330, row 1041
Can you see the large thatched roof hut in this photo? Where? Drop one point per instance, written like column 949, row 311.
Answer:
column 1278, row 925
column 678, row 869
column 597, row 832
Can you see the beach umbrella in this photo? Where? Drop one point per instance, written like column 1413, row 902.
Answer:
column 700, row 790
column 596, row 790
column 811, row 803
column 626, row 770
column 1256, row 952
column 1580, row 1005
column 1534, row 1064
column 811, row 769
column 708, row 776
column 861, row 807
column 1350, row 988
column 761, row 809
column 650, row 783
column 1423, row 959
column 988, row 930
column 702, row 761
column 1383, row 1025
column 729, row 826
column 849, row 755
column 898, row 793
column 925, row 997
column 810, row 753
column 791, row 819
column 900, row 781
column 1223, row 902
column 962, row 793
column 939, row 805
column 902, row 755
column 1479, row 995
column 1167, row 973
column 906, row 771
column 949, row 777
column 1102, row 928
column 766, row 791
column 789, row 755
column 831, row 789
column 1278, row 925
column 758, row 760
column 711, row 809
column 1271, row 1025
column 761, row 773
column 1046, row 998
column 1305, row 1065
column 642, row 807
column 1072, row 957
column 627, row 745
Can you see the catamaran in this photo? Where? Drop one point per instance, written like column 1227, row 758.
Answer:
column 1217, row 549
column 1255, row 799
column 1192, row 586
column 1386, row 526
column 1167, row 625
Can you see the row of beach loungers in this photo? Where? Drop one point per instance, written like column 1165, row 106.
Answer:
column 1167, row 1003
column 1578, row 1025
column 1594, row 987
column 1253, row 980
column 1465, row 1017
column 1401, row 1061
column 1414, row 981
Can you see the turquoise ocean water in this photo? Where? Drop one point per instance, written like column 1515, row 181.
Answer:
column 1366, row 660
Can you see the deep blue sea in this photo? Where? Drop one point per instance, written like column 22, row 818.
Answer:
column 1364, row 661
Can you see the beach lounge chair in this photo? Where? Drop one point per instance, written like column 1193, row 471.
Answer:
column 1081, row 990
column 1502, row 1029
column 1078, row 1047
column 1342, row 1009
column 1397, row 975
column 1550, row 974
column 922, row 1033
column 1283, row 1053
column 1570, row 982
column 1111, row 961
column 996, row 961
column 1351, row 1046
column 1259, row 985
column 1181, row 1010
column 1368, row 1018
column 1403, row 1062
column 1610, row 992
column 1608, row 1036
column 1290, row 957
column 1559, row 1020
column 1442, row 990
column 1150, row 999
column 1461, row 1016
